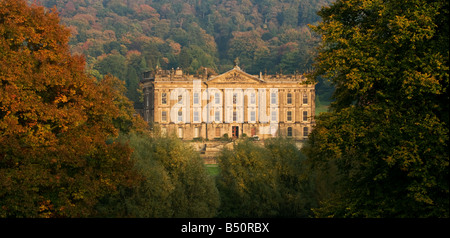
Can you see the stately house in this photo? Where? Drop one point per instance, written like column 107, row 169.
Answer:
column 232, row 104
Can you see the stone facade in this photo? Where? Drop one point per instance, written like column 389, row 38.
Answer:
column 231, row 104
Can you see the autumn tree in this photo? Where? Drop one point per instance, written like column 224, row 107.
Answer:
column 384, row 146
column 55, row 121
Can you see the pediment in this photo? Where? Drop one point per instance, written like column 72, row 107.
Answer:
column 236, row 75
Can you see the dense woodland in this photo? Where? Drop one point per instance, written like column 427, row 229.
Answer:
column 127, row 37
column 70, row 145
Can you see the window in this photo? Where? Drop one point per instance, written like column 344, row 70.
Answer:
column 180, row 115
column 253, row 116
column 289, row 98
column 289, row 116
column 253, row 131
column 234, row 98
column 217, row 98
column 289, row 131
column 274, row 116
column 196, row 99
column 305, row 116
column 305, row 98
column 216, row 116
column 253, row 98
column 180, row 132
column 273, row 98
column 196, row 116
column 196, row 132
column 217, row 131
column 305, row 131
column 163, row 116
column 164, row 98
column 234, row 116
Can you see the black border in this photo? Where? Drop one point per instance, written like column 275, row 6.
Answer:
column 313, row 227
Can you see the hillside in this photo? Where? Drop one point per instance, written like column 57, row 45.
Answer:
column 127, row 37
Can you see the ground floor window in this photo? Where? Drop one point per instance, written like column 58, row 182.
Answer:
column 289, row 131
column 196, row 132
column 180, row 132
column 235, row 131
column 305, row 131
column 253, row 131
column 217, row 131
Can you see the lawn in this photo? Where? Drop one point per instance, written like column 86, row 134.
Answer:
column 213, row 169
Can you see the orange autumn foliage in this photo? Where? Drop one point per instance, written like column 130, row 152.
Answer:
column 55, row 121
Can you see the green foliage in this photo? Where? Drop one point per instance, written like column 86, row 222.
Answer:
column 268, row 36
column 256, row 181
column 175, row 182
column 385, row 141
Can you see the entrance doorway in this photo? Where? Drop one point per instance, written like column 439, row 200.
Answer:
column 235, row 131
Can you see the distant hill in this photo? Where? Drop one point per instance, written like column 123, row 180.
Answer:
column 128, row 37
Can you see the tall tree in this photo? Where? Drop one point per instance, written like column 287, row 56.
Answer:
column 55, row 121
column 386, row 137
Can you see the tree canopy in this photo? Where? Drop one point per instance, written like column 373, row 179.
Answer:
column 263, row 181
column 386, row 136
column 55, row 121
column 268, row 36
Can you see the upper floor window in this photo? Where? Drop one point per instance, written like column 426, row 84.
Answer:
column 163, row 98
column 305, row 98
column 196, row 99
column 252, row 116
column 253, row 98
column 163, row 116
column 289, row 98
column 273, row 98
column 217, row 98
column 196, row 116
column 216, row 116
column 274, row 116
column 305, row 115
column 289, row 116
